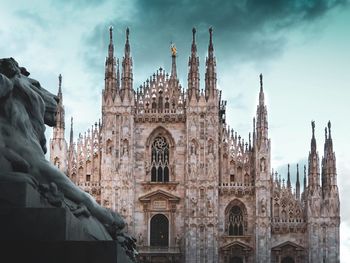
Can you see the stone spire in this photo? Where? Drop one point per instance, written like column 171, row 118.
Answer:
column 314, row 174
column 210, row 73
column 329, row 140
column 173, row 50
column 71, row 133
column 127, row 75
column 60, row 124
column 305, row 186
column 118, row 76
column 58, row 144
column 193, row 64
column 261, row 92
column 289, row 185
column 261, row 118
column 313, row 140
column 127, row 44
column 297, row 184
column 59, row 94
column 110, row 46
column 110, row 74
column 329, row 172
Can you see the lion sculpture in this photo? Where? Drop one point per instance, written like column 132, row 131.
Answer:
column 25, row 108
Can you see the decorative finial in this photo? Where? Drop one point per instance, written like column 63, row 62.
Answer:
column 127, row 45
column 194, row 34
column 304, row 178
column 297, row 173
column 313, row 128
column 288, row 179
column 173, row 49
column 211, row 41
column 59, row 81
column 111, row 33
column 329, row 129
column 249, row 140
column 127, row 33
column 261, row 81
column 71, row 132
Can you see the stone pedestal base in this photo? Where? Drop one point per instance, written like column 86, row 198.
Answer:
column 31, row 230
column 59, row 252
column 40, row 224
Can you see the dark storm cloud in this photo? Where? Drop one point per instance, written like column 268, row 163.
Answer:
column 244, row 30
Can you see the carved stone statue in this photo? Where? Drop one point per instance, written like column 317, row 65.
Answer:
column 147, row 168
column 25, row 108
column 140, row 239
column 178, row 240
column 262, row 165
column 263, row 205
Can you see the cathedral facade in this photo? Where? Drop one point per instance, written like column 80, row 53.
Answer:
column 190, row 188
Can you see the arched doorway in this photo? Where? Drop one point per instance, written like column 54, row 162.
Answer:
column 159, row 231
column 236, row 260
column 287, row 260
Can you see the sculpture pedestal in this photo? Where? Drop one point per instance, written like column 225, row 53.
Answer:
column 40, row 224
column 31, row 230
column 59, row 252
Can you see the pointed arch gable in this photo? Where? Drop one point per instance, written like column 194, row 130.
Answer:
column 160, row 131
column 287, row 243
column 237, row 243
column 238, row 203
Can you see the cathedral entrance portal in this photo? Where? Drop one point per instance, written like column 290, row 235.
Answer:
column 236, row 260
column 159, row 231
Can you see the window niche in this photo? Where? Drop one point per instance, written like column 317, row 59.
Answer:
column 235, row 224
column 160, row 160
column 236, row 219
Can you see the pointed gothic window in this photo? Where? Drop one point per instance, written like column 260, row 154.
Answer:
column 160, row 160
column 235, row 227
column 154, row 105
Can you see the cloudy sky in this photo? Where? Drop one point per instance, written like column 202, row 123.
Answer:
column 301, row 47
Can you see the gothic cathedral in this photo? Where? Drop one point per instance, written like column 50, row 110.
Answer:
column 189, row 188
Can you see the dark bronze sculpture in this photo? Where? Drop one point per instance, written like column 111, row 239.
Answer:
column 25, row 108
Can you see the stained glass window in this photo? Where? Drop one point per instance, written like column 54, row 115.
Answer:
column 160, row 160
column 235, row 221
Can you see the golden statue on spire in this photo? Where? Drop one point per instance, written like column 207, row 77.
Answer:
column 173, row 49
